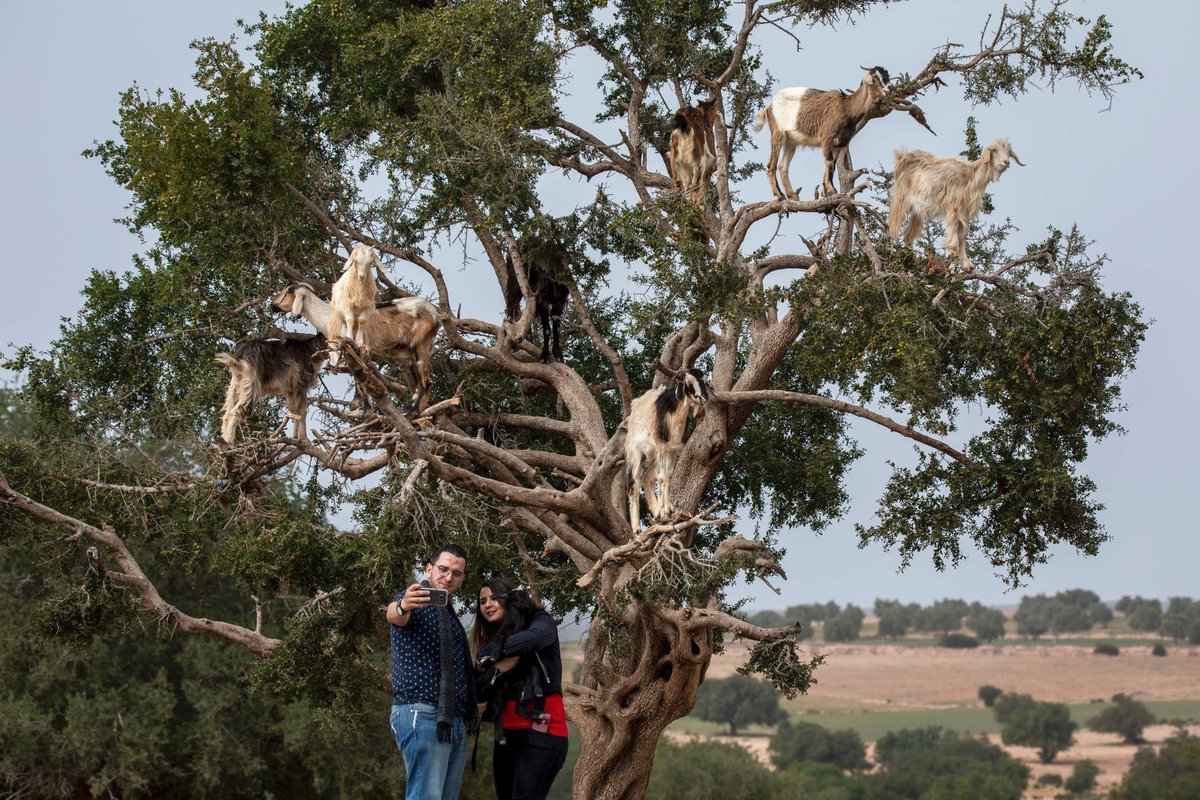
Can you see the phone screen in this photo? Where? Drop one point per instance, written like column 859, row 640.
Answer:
column 438, row 597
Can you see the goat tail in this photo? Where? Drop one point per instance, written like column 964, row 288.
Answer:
column 761, row 119
column 231, row 362
column 905, row 160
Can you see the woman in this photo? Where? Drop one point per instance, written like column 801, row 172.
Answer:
column 520, row 677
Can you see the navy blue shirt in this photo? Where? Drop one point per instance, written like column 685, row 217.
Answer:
column 416, row 670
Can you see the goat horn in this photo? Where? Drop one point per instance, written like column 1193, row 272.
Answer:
column 1014, row 158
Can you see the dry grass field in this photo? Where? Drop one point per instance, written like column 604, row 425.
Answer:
column 879, row 679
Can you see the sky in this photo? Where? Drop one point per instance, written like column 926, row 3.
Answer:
column 1126, row 174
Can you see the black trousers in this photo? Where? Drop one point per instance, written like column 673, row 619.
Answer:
column 524, row 767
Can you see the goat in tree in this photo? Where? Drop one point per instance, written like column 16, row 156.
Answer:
column 261, row 368
column 550, row 299
column 817, row 118
column 693, row 148
column 930, row 187
column 654, row 437
column 353, row 299
column 401, row 331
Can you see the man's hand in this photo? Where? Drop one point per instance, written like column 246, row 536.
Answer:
column 415, row 596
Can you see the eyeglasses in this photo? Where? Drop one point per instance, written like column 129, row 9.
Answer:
column 492, row 598
column 443, row 570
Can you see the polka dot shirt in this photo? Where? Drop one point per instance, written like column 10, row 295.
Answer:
column 415, row 667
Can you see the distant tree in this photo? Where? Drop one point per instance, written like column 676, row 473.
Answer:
column 1010, row 703
column 797, row 742
column 936, row 764
column 1106, row 649
column 1046, row 726
column 1126, row 717
column 1033, row 616
column 1147, row 617
column 1158, row 650
column 706, row 771
column 1083, row 777
column 945, row 615
column 958, row 641
column 1180, row 619
column 1171, row 773
column 987, row 623
column 893, row 624
column 846, row 626
column 738, row 701
column 988, row 694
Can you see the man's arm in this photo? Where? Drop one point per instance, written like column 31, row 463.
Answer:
column 399, row 612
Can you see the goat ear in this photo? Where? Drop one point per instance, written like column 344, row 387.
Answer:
column 297, row 302
column 680, row 391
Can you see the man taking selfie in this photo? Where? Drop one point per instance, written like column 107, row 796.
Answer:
column 432, row 685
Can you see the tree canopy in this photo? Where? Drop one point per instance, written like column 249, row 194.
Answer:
column 439, row 135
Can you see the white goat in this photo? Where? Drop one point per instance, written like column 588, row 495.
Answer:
column 261, row 368
column 929, row 187
column 693, row 148
column 654, row 438
column 401, row 331
column 817, row 118
column 353, row 299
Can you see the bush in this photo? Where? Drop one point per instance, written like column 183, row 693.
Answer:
column 1009, row 703
column 989, row 694
column 1046, row 726
column 1107, row 649
column 1126, row 717
column 960, row 641
column 801, row 742
column 1049, row 779
column 1083, row 777
column 1171, row 773
column 738, row 701
column 935, row 764
column 706, row 771
column 1159, row 650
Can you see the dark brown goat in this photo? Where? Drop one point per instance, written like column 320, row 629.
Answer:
column 550, row 300
column 261, row 368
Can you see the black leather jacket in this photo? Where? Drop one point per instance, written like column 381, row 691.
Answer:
column 537, row 674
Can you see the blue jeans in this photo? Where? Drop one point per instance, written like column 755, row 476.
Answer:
column 434, row 768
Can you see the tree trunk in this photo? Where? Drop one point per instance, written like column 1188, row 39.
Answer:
column 636, row 696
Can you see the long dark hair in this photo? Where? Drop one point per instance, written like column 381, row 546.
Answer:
column 518, row 608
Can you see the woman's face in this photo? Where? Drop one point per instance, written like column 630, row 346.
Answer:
column 491, row 606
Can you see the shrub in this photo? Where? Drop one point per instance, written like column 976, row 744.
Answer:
column 1049, row 779
column 1083, row 777
column 1126, row 717
column 801, row 742
column 958, row 641
column 1171, row 773
column 989, row 694
column 1107, row 649
column 1159, row 650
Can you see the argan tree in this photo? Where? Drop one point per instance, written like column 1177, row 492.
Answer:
column 439, row 134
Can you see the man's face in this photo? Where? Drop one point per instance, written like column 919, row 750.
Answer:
column 447, row 572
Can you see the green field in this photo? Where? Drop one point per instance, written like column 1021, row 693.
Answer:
column 872, row 724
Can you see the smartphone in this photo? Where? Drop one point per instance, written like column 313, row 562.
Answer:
column 438, row 597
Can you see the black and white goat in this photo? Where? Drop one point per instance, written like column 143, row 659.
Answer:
column 401, row 331
column 930, row 187
column 817, row 118
column 261, row 368
column 550, row 299
column 654, row 437
column 693, row 148
column 353, row 299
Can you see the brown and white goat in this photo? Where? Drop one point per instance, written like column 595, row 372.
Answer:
column 401, row 331
column 930, row 187
column 261, row 368
column 654, row 437
column 550, row 299
column 693, row 148
column 817, row 118
column 353, row 299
